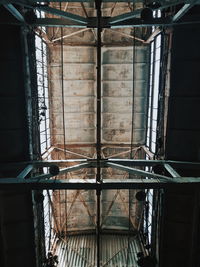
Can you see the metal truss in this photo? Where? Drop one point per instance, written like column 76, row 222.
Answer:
column 130, row 19
column 144, row 179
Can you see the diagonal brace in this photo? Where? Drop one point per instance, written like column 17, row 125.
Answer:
column 137, row 172
column 63, row 14
column 26, row 171
column 125, row 16
column 13, row 10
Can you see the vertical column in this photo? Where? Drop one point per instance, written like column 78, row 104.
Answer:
column 98, row 131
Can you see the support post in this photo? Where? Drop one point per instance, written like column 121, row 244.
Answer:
column 98, row 129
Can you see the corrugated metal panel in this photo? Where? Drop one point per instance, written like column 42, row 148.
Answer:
column 80, row 251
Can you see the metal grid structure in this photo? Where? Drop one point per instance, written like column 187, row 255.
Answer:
column 140, row 176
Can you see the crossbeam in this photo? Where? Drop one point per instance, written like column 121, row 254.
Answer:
column 125, row 162
column 91, row 184
column 136, row 22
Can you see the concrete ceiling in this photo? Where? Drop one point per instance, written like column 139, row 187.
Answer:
column 73, row 112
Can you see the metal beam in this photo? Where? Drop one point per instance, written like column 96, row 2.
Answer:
column 137, row 22
column 25, row 172
column 98, row 130
column 54, row 22
column 153, row 35
column 13, row 10
column 140, row 162
column 182, row 12
column 70, row 34
column 93, row 163
column 125, row 16
column 65, row 170
column 63, row 14
column 137, row 172
column 72, row 153
column 127, row 35
column 90, row 184
column 171, row 170
column 135, row 13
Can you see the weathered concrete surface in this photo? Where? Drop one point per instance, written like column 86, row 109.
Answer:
column 117, row 94
column 79, row 90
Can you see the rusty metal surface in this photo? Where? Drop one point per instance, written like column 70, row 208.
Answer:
column 79, row 95
column 80, row 251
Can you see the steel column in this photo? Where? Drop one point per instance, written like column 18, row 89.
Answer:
column 98, row 127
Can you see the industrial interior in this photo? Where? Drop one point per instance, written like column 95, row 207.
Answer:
column 100, row 133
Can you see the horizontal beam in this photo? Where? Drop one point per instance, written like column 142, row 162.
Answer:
column 91, row 184
column 56, row 22
column 81, row 1
column 125, row 162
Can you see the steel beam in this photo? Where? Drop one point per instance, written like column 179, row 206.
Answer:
column 25, row 172
column 171, row 170
column 98, row 130
column 70, row 35
column 153, row 35
column 127, row 35
column 91, row 184
column 54, row 22
column 13, row 10
column 65, row 170
column 63, row 14
column 125, row 16
column 137, row 172
column 138, row 162
column 183, row 11
column 93, row 163
column 137, row 22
